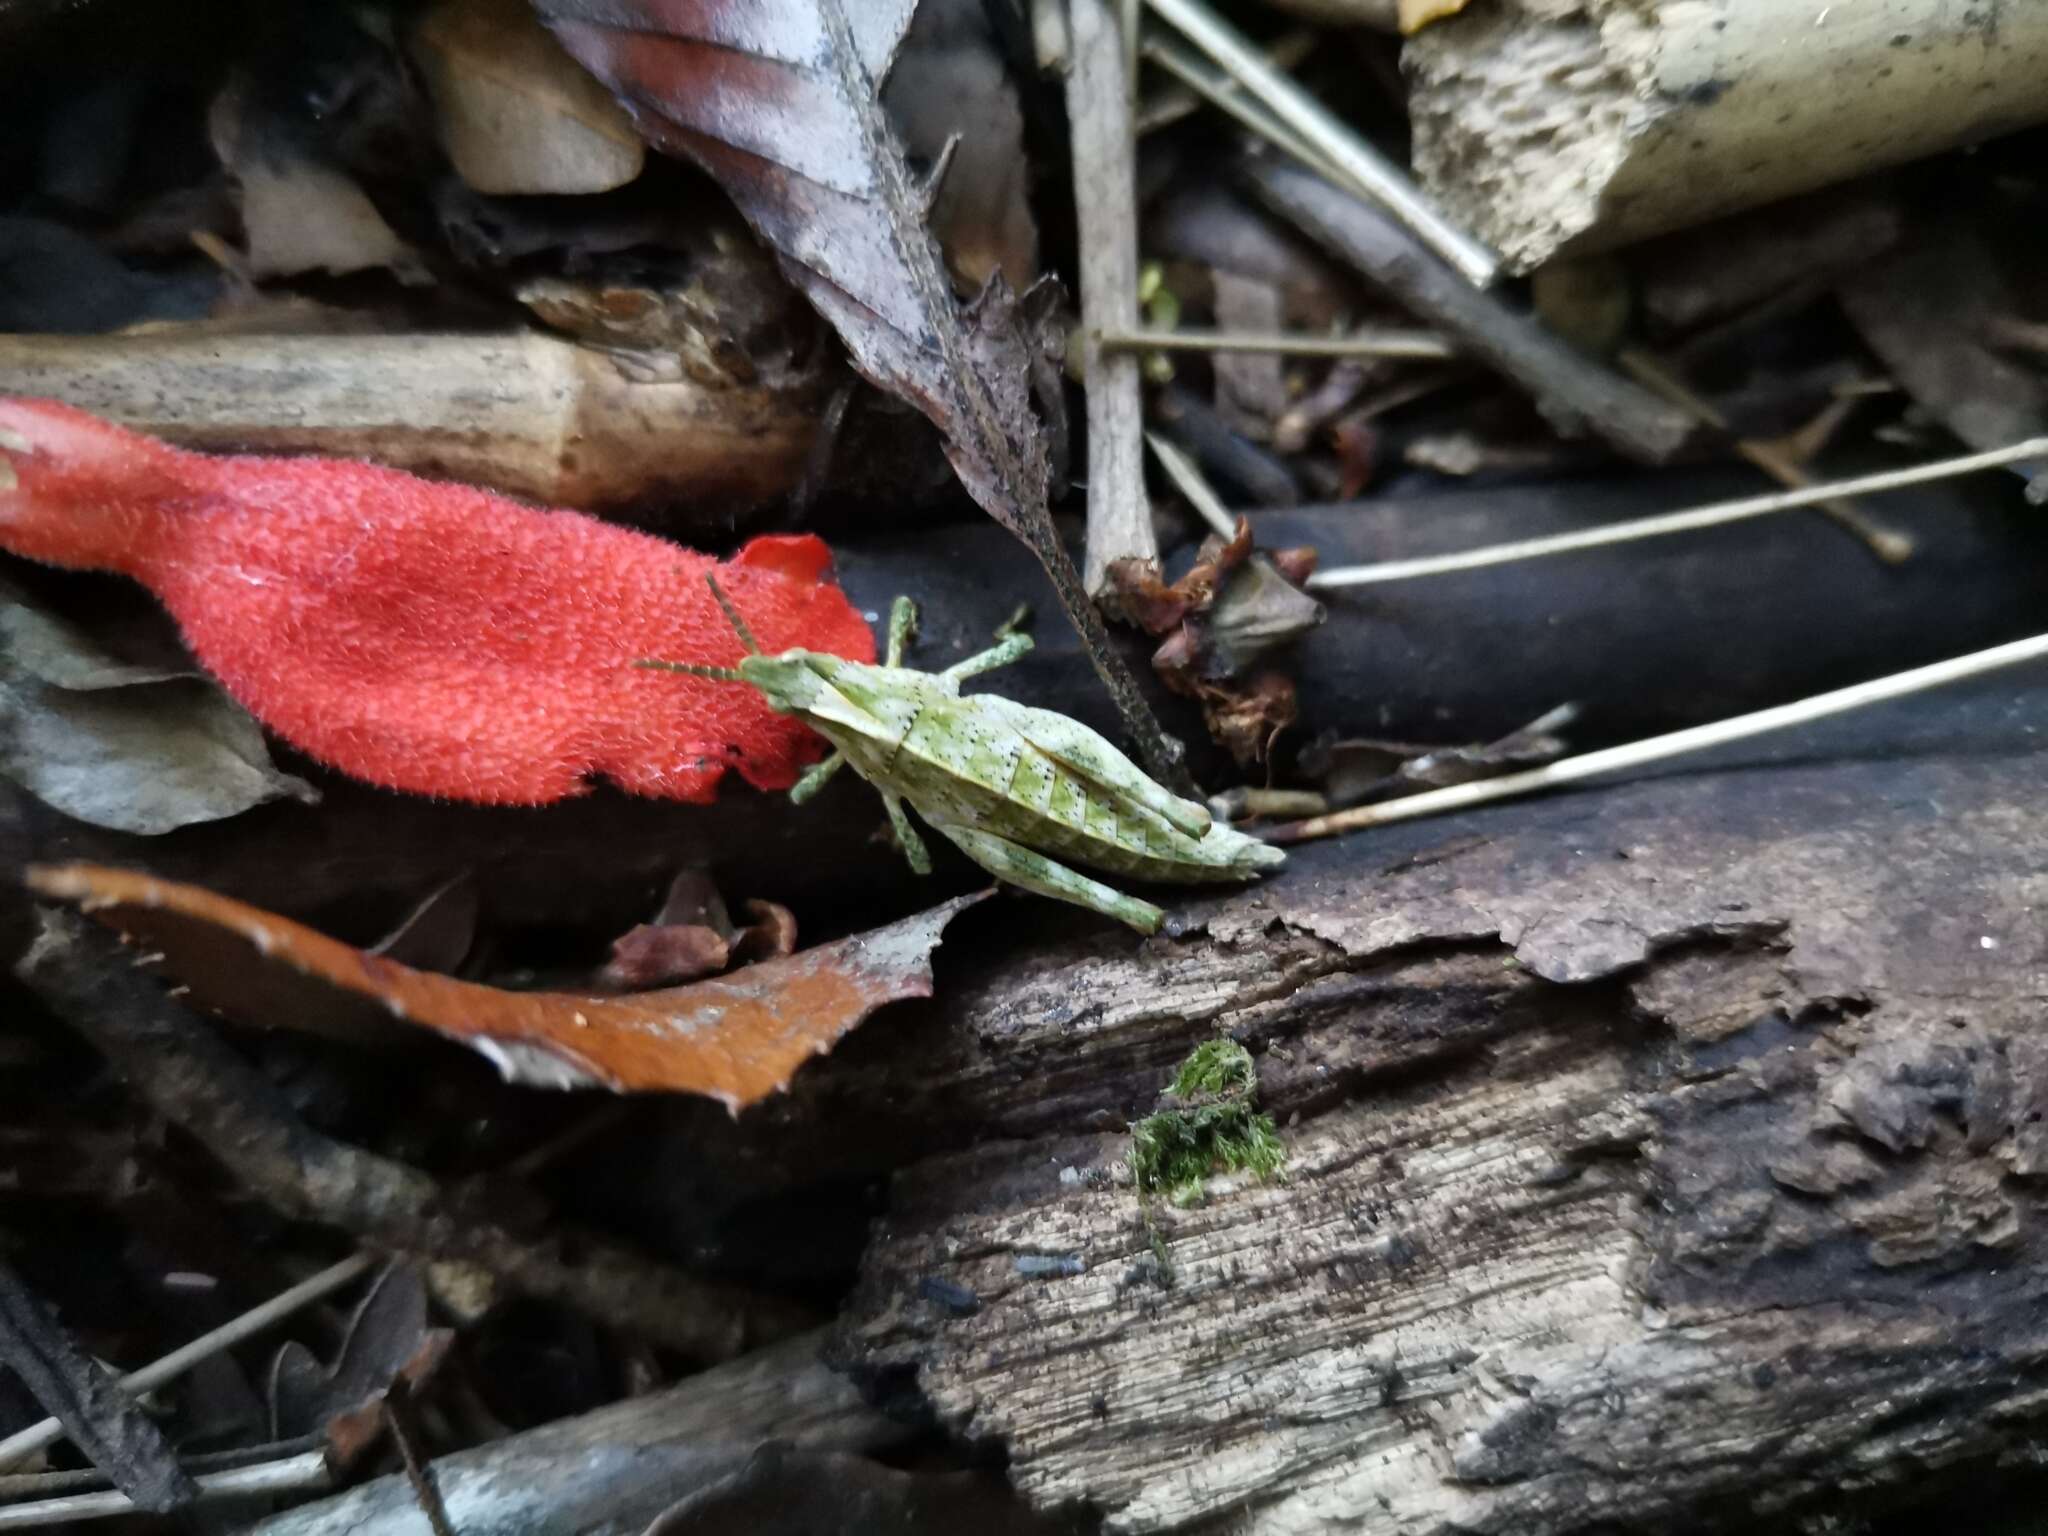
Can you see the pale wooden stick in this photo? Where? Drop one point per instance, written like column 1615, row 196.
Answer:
column 295, row 1474
column 1200, row 494
column 26, row 1442
column 1221, row 93
column 1106, row 206
column 1710, row 516
column 1635, row 754
column 1331, row 138
column 1372, row 341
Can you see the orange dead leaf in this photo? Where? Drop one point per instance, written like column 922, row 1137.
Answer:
column 736, row 1038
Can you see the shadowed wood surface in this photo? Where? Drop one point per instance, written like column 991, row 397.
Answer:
column 1659, row 1150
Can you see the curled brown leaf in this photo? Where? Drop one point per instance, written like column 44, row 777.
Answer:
column 737, row 1038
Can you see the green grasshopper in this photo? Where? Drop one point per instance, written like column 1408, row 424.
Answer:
column 1005, row 784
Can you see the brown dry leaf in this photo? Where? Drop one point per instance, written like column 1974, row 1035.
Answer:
column 516, row 114
column 781, row 104
column 736, row 1039
column 1414, row 15
column 389, row 1340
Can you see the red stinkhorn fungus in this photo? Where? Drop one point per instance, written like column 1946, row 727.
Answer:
column 427, row 637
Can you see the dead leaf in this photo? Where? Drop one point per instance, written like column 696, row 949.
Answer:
column 300, row 214
column 1930, row 311
column 781, row 104
column 1414, row 15
column 736, row 1039
column 388, row 1341
column 142, row 749
column 1234, row 606
column 1354, row 771
column 654, row 954
column 516, row 114
column 950, row 79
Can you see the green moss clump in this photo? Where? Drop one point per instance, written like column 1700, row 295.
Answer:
column 1209, row 1123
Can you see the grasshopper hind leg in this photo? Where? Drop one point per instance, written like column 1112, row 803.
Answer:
column 1019, row 866
column 915, row 854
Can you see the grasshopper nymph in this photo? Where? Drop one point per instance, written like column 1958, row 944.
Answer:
column 1007, row 785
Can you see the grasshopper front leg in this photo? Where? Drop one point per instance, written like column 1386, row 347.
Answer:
column 1019, row 866
column 902, row 626
column 1001, row 654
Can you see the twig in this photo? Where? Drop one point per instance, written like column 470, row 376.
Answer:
column 1331, row 138
column 120, row 1439
column 22, row 1487
column 1050, row 42
column 1200, row 494
column 1223, row 94
column 1175, row 103
column 1710, row 516
column 85, row 976
column 1106, row 206
column 295, row 1474
column 1889, row 546
column 26, row 1442
column 1635, row 754
column 1370, row 342
column 1571, row 389
column 396, row 1409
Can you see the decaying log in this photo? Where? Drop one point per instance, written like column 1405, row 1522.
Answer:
column 1546, row 127
column 615, row 1469
column 1666, row 1152
column 1646, row 637
column 522, row 412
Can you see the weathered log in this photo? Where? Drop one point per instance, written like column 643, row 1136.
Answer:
column 1659, row 1154
column 1547, row 127
column 1646, row 637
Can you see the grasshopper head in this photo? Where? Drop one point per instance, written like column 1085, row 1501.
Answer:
column 790, row 682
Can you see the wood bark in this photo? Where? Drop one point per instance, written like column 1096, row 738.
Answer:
column 1551, row 126
column 525, row 413
column 1665, row 1153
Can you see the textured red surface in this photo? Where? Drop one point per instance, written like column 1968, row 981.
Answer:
column 429, row 637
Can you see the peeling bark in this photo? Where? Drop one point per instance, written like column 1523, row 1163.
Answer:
column 1666, row 1149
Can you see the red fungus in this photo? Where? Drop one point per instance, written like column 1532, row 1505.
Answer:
column 427, row 637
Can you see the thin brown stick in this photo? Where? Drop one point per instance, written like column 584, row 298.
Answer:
column 396, row 1410
column 1887, row 544
column 84, row 975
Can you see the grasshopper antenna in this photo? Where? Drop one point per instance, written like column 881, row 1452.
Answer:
column 732, row 615
column 721, row 674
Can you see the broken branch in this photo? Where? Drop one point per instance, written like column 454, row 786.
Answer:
column 84, row 976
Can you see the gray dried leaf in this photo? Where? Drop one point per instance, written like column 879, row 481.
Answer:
column 139, row 749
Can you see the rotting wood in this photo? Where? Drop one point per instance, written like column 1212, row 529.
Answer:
column 1099, row 108
column 1548, row 126
column 1670, row 1149
column 617, row 1468
column 521, row 412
